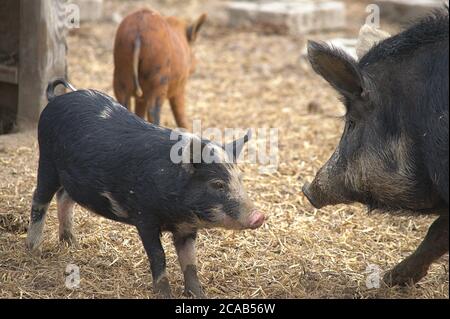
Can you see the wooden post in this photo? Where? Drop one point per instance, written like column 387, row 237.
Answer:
column 9, row 48
column 42, row 54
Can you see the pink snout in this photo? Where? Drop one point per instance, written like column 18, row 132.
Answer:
column 256, row 220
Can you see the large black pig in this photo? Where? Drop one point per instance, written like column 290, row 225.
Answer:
column 393, row 154
column 96, row 153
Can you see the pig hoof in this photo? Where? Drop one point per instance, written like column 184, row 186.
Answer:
column 403, row 276
column 32, row 245
column 35, row 250
column 162, row 288
column 68, row 238
column 164, row 294
column 196, row 293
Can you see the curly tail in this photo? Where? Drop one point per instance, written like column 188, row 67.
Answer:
column 136, row 54
column 52, row 85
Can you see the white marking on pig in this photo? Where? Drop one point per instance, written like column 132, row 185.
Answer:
column 115, row 207
column 35, row 230
column 34, row 235
column 238, row 193
column 161, row 277
column 222, row 219
column 106, row 113
column 65, row 206
column 188, row 228
column 187, row 254
column 237, row 189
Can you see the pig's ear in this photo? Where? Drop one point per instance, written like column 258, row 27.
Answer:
column 337, row 67
column 234, row 149
column 195, row 151
column 193, row 29
column 193, row 155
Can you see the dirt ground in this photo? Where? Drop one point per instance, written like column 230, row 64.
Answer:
column 244, row 79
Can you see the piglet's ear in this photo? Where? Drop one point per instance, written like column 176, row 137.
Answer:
column 193, row 29
column 337, row 67
column 234, row 149
column 192, row 154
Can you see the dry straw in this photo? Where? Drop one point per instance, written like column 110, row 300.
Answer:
column 244, row 79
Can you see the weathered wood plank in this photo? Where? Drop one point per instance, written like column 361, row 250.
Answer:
column 9, row 46
column 42, row 54
column 8, row 103
column 9, row 74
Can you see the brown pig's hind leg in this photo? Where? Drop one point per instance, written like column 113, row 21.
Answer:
column 179, row 110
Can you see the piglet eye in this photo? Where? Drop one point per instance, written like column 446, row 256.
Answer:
column 219, row 185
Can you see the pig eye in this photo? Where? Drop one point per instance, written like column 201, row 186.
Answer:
column 351, row 124
column 218, row 185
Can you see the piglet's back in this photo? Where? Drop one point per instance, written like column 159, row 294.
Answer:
column 86, row 120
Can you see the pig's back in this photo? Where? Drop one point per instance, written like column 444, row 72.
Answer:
column 152, row 30
column 88, row 126
column 145, row 23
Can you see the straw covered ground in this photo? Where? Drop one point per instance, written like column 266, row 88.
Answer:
column 245, row 78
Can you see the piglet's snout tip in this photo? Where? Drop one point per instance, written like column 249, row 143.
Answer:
column 256, row 220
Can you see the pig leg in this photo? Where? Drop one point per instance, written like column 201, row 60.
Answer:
column 415, row 267
column 141, row 107
column 150, row 237
column 47, row 185
column 151, row 106
column 179, row 110
column 154, row 110
column 125, row 101
column 65, row 216
column 185, row 246
column 120, row 91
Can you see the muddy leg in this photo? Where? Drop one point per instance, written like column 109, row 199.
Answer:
column 185, row 246
column 179, row 111
column 65, row 216
column 150, row 237
column 47, row 186
column 416, row 266
column 155, row 110
column 152, row 106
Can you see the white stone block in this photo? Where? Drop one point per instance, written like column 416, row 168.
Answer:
column 296, row 17
column 408, row 10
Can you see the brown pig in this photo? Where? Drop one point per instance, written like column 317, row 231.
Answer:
column 153, row 59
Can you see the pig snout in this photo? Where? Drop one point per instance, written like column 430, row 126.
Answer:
column 252, row 220
column 326, row 192
column 311, row 196
column 256, row 220
column 327, row 187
